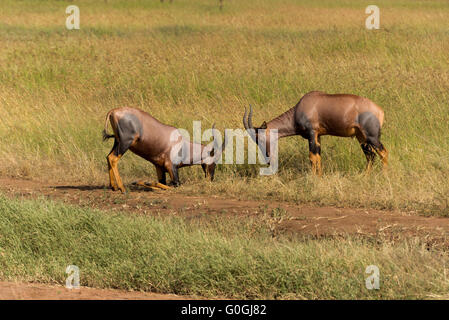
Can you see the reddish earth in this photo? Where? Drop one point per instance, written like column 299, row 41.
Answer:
column 296, row 220
column 35, row 291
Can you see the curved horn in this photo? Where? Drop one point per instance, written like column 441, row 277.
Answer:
column 245, row 123
column 250, row 117
column 248, row 123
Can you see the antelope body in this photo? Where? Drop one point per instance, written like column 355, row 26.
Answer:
column 318, row 114
column 152, row 140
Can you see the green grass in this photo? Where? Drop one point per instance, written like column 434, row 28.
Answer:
column 188, row 61
column 223, row 258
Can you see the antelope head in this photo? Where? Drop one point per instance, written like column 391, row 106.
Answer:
column 213, row 155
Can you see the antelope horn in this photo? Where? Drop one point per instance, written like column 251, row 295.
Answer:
column 245, row 123
column 248, row 123
column 250, row 117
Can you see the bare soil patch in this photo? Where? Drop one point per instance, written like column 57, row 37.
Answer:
column 37, row 291
column 296, row 219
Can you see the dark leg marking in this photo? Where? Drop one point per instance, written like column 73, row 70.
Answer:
column 175, row 175
column 204, row 167
column 370, row 155
column 128, row 128
column 315, row 152
column 161, row 178
column 303, row 125
column 370, row 126
column 172, row 170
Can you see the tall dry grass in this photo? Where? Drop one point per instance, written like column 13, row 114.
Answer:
column 190, row 61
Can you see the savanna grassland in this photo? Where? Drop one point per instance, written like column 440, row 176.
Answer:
column 189, row 60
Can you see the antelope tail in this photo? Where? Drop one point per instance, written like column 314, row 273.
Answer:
column 106, row 135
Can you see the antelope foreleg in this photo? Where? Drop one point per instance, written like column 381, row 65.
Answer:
column 157, row 185
column 112, row 182
column 162, row 182
column 151, row 185
column 173, row 172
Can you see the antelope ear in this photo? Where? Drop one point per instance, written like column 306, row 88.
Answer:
column 264, row 125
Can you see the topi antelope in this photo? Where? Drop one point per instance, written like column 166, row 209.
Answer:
column 318, row 114
column 156, row 142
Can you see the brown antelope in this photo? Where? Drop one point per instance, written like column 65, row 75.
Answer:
column 154, row 141
column 318, row 114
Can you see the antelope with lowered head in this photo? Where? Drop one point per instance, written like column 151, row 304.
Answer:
column 318, row 114
column 156, row 142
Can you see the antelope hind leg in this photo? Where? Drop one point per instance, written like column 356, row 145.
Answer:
column 112, row 182
column 370, row 156
column 315, row 161
column 315, row 153
column 113, row 159
column 383, row 154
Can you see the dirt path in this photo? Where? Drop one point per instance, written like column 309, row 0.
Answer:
column 36, row 291
column 315, row 221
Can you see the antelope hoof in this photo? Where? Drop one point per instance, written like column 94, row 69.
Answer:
column 175, row 184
